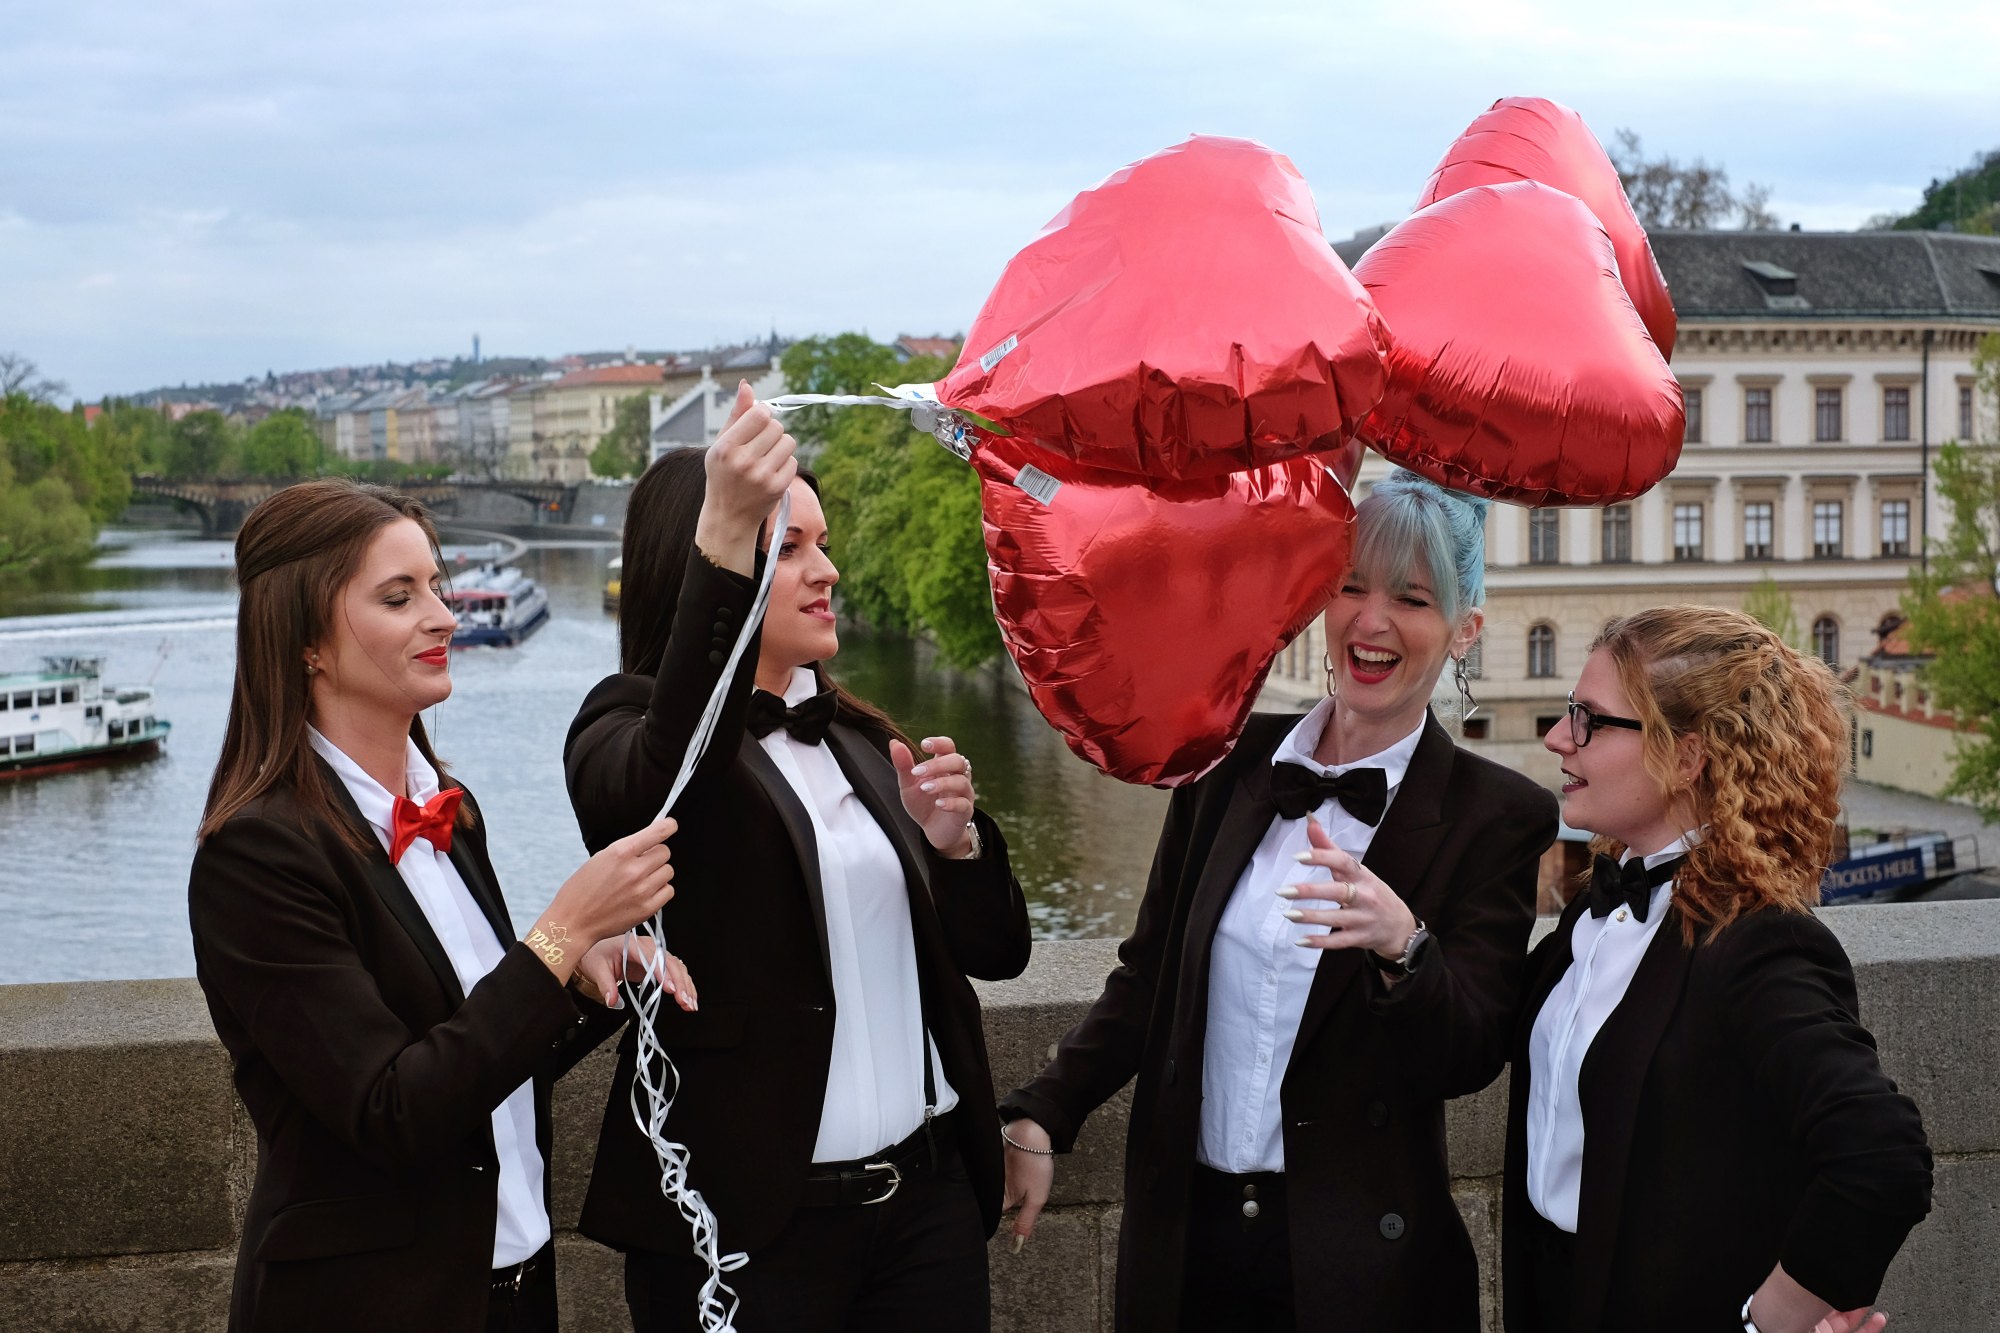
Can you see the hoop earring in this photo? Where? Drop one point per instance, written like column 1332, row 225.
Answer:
column 1326, row 665
column 1464, row 684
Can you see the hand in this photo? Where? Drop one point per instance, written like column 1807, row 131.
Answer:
column 597, row 976
column 609, row 894
column 1029, row 1178
column 1369, row 915
column 1782, row 1305
column 1852, row 1321
column 750, row 466
column 937, row 793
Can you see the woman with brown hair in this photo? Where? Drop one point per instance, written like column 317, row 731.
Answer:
column 392, row 1039
column 1700, row 1134
column 838, row 890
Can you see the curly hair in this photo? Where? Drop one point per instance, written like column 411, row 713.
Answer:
column 1773, row 728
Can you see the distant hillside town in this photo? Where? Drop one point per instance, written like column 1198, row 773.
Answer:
column 518, row 418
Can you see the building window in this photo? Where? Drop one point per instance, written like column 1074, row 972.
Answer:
column 1895, row 527
column 1826, row 640
column 1544, row 725
column 1868, row 744
column 1896, row 413
column 1687, row 532
column 1757, row 416
column 1757, row 530
column 1616, row 538
column 1473, row 728
column 1542, row 652
column 1965, row 413
column 1692, row 399
column 1544, row 536
column 1827, row 542
column 1826, row 415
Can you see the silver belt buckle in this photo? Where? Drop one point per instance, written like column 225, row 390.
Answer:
column 895, row 1179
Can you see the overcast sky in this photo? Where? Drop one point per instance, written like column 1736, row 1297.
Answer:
column 205, row 189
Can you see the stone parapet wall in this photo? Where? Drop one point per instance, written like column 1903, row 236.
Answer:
column 125, row 1157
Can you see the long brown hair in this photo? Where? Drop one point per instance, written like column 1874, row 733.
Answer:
column 294, row 554
column 1773, row 736
column 659, row 540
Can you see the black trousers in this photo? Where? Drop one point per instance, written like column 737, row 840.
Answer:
column 914, row 1263
column 1238, row 1275
column 523, row 1299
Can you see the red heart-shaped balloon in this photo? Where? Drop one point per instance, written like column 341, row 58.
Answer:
column 1518, row 369
column 1534, row 139
column 1185, row 318
column 1144, row 615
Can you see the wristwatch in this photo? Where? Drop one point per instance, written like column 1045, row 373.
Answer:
column 1749, row 1324
column 1413, row 955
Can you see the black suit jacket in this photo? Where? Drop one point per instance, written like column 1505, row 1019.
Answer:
column 1735, row 1116
column 370, row 1077
column 748, row 919
column 1377, row 1242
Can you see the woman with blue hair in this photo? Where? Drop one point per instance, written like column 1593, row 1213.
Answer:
column 1331, row 945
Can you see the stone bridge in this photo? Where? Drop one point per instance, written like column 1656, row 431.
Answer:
column 125, row 1156
column 222, row 503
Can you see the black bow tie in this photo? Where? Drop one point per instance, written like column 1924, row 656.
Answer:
column 1298, row 791
column 806, row 724
column 1631, row 884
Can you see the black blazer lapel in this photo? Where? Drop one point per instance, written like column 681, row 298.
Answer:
column 1399, row 854
column 1245, row 821
column 798, row 827
column 388, row 884
column 1608, row 1090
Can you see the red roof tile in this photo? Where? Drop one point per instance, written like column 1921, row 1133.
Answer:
column 612, row 375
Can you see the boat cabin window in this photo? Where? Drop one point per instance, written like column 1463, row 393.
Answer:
column 117, row 731
column 147, row 725
column 4, row 697
column 24, row 698
column 93, row 713
column 69, row 694
column 6, row 745
column 24, row 745
column 45, row 697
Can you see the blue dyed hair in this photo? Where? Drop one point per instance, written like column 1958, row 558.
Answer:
column 1408, row 526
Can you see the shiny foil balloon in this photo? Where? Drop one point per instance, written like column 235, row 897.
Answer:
column 1534, row 139
column 1144, row 615
column 1183, row 319
column 1520, row 370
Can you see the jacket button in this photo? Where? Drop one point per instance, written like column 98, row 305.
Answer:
column 715, row 658
column 1378, row 1114
column 724, row 613
column 721, row 628
column 1392, row 1226
column 1251, row 1208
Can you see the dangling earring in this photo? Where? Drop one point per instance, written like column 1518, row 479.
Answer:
column 1326, row 665
column 1464, row 684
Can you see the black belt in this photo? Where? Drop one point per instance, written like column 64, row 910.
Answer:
column 510, row 1278
column 872, row 1179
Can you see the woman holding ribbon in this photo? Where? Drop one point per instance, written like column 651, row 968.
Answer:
column 1700, row 1134
column 392, row 1038
column 1293, row 1041
column 833, row 1092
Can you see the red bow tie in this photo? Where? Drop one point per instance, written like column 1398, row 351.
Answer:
column 431, row 820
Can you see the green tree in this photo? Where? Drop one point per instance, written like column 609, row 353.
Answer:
column 283, row 444
column 1954, row 614
column 1771, row 606
column 53, row 485
column 903, row 513
column 198, row 445
column 627, row 447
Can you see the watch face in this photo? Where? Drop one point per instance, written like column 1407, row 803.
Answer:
column 1420, row 949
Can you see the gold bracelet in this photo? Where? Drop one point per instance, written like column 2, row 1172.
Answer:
column 1022, row 1147
column 549, row 945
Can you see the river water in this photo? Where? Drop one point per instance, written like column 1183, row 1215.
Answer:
column 93, row 864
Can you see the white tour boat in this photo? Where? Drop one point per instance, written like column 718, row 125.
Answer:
column 496, row 605
column 64, row 716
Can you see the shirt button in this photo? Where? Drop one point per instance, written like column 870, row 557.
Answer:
column 1263, row 1057
column 1619, row 915
column 1392, row 1226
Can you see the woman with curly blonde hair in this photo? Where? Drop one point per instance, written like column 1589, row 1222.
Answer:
column 1699, row 1134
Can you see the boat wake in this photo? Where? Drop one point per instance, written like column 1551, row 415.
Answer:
column 96, row 624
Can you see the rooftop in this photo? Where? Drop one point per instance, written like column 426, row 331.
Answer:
column 577, row 379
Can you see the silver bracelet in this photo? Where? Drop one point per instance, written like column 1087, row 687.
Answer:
column 1022, row 1147
column 978, row 845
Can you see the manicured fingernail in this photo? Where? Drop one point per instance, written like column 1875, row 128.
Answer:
column 928, row 786
column 1305, row 941
column 930, row 747
column 1294, row 914
column 1019, row 1241
column 1289, row 891
column 1304, row 858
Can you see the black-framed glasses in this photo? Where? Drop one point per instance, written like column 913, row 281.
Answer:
column 1583, row 720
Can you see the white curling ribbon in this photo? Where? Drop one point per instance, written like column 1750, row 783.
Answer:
column 655, row 1081
column 953, row 429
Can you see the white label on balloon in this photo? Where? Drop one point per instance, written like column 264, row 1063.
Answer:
column 1039, row 485
column 998, row 354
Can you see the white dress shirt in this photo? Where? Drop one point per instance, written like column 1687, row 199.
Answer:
column 1604, row 955
column 875, row 1083
column 521, row 1227
column 1258, row 978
